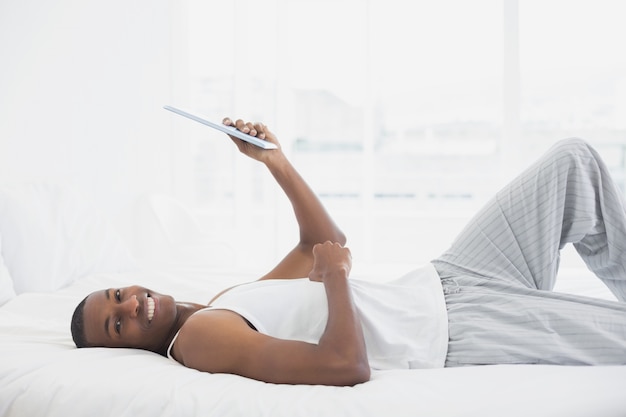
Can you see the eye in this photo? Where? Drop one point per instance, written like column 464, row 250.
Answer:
column 118, row 326
column 118, row 295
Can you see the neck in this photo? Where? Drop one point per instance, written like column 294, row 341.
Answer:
column 184, row 310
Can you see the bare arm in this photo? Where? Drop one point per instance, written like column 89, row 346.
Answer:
column 219, row 341
column 314, row 223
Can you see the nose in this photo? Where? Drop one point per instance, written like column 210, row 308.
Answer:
column 130, row 306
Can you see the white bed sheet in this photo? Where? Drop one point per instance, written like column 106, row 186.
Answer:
column 41, row 373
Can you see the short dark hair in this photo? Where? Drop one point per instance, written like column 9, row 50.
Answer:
column 78, row 325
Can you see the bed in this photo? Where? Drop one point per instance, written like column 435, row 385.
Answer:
column 42, row 373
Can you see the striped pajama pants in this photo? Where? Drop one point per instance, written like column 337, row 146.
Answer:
column 498, row 274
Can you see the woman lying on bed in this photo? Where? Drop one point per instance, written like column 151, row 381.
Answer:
column 487, row 300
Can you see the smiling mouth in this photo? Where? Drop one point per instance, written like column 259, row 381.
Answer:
column 150, row 303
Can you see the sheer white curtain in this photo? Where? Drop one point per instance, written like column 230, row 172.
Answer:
column 574, row 74
column 403, row 115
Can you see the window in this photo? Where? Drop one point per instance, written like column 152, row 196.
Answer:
column 574, row 75
column 397, row 113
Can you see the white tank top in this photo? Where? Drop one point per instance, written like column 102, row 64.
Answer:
column 404, row 321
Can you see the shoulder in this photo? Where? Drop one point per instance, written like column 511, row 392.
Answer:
column 206, row 340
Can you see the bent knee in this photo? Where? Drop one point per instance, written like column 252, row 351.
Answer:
column 572, row 143
column 574, row 147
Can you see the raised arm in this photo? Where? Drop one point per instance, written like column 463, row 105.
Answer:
column 314, row 223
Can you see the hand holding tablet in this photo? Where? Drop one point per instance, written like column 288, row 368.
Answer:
column 229, row 130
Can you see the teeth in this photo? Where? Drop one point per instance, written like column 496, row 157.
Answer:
column 150, row 303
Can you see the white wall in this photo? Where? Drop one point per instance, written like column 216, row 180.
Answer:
column 82, row 84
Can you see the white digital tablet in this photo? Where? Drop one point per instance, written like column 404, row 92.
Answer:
column 229, row 130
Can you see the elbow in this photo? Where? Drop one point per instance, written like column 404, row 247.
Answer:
column 361, row 374
column 357, row 375
column 340, row 237
column 352, row 373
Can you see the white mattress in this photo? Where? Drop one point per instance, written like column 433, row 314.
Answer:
column 41, row 373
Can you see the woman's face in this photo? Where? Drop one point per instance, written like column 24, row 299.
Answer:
column 133, row 317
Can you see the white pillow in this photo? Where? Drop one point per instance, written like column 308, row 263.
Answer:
column 51, row 237
column 6, row 284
